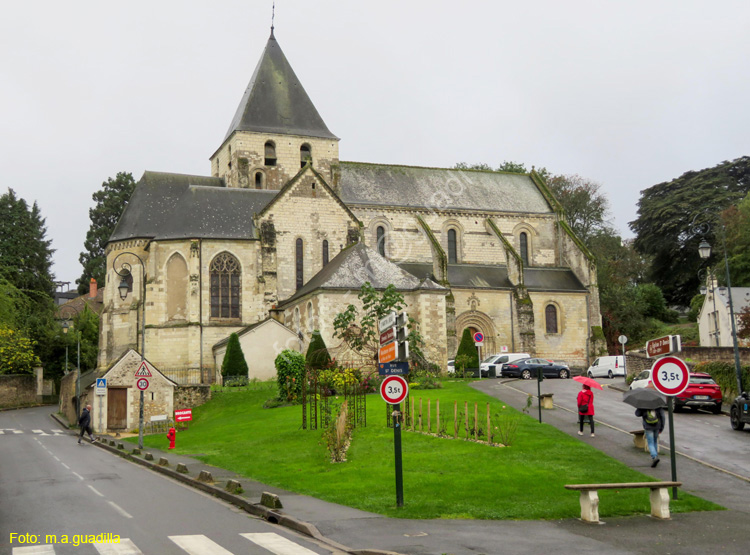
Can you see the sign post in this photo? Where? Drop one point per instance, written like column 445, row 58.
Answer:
column 393, row 390
column 623, row 340
column 670, row 376
column 101, row 391
column 478, row 338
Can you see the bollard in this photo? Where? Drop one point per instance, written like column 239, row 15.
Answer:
column 233, row 486
column 148, row 457
column 270, row 500
column 136, row 451
column 181, row 468
column 163, row 461
column 205, row 476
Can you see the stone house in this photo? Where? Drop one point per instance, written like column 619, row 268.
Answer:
column 284, row 229
column 714, row 320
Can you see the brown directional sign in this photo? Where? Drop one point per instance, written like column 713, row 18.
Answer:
column 387, row 336
column 663, row 346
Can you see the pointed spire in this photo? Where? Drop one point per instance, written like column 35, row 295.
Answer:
column 273, row 15
column 275, row 101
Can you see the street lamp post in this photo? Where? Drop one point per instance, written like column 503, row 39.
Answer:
column 66, row 325
column 704, row 250
column 124, row 272
column 702, row 274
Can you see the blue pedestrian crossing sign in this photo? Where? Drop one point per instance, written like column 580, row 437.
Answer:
column 101, row 386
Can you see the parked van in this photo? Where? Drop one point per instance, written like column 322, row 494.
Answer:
column 496, row 367
column 607, row 367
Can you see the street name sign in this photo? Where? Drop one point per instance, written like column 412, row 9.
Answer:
column 670, row 376
column 101, row 386
column 388, row 353
column 393, row 368
column 183, row 415
column 663, row 346
column 394, row 389
column 142, row 384
column 143, row 371
column 387, row 321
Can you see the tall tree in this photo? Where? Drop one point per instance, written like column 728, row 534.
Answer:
column 585, row 205
column 506, row 166
column 110, row 200
column 667, row 213
column 736, row 222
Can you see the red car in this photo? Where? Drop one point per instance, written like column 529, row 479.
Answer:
column 702, row 392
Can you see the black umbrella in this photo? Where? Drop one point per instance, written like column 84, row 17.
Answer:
column 645, row 398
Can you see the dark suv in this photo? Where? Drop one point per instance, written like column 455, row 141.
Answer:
column 740, row 412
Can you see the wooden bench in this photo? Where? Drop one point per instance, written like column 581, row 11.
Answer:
column 545, row 399
column 590, row 497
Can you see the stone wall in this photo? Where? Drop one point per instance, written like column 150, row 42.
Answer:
column 18, row 390
column 710, row 354
column 189, row 396
column 67, row 396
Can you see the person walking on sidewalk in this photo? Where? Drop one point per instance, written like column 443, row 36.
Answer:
column 653, row 425
column 585, row 408
column 85, row 423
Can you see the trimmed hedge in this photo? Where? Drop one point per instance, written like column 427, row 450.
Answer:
column 234, row 363
column 467, row 347
column 317, row 353
column 725, row 374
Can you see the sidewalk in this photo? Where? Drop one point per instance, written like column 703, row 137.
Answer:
column 354, row 531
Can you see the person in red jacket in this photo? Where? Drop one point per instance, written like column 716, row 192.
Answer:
column 585, row 408
column 170, row 436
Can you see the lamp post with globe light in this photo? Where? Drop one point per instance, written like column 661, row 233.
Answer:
column 124, row 288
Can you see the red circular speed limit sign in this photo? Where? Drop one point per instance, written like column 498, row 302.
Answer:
column 142, row 384
column 670, row 376
column 394, row 389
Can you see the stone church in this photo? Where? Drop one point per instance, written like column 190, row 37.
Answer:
column 283, row 229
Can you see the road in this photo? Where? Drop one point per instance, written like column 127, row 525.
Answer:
column 700, row 435
column 50, row 485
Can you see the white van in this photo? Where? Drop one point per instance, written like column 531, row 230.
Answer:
column 607, row 367
column 501, row 360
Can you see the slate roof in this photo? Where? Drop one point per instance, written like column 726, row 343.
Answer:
column 177, row 206
column 480, row 276
column 358, row 264
column 442, row 189
column 275, row 101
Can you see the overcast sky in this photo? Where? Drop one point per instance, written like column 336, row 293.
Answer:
column 628, row 94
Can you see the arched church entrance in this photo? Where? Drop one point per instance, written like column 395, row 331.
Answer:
column 478, row 321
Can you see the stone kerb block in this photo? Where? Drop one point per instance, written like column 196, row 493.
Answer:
column 163, row 461
column 270, row 500
column 120, row 446
column 148, row 456
column 181, row 468
column 136, row 451
column 233, row 486
column 205, row 476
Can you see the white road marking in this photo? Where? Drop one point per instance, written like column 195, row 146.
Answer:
column 199, row 545
column 277, row 544
column 120, row 510
column 54, row 457
column 78, row 475
column 33, row 550
column 39, row 432
column 65, row 465
column 2, row 432
column 16, row 431
column 92, row 488
column 125, row 547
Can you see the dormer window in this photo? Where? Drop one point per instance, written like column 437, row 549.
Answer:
column 270, row 153
column 305, row 155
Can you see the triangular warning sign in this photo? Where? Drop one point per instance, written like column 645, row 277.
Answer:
column 143, row 371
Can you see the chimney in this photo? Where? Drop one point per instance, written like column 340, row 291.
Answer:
column 92, row 289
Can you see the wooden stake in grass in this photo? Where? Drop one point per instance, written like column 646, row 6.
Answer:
column 476, row 421
column 411, row 405
column 466, row 424
column 429, row 416
column 455, row 419
column 437, row 410
column 489, row 440
column 421, row 429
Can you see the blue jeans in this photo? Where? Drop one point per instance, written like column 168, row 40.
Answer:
column 652, row 438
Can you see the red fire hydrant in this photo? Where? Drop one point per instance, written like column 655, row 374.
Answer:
column 170, row 436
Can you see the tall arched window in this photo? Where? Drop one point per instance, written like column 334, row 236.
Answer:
column 305, row 155
column 225, row 286
column 270, row 151
column 300, row 267
column 452, row 247
column 325, row 252
column 380, row 236
column 550, row 318
column 523, row 241
column 177, row 286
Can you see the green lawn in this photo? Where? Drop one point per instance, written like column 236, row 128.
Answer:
column 443, row 478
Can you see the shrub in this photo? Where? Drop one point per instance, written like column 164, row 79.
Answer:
column 16, row 353
column 290, row 371
column 338, row 432
column 467, row 348
column 724, row 374
column 317, row 354
column 234, row 363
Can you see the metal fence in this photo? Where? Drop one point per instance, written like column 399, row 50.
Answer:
column 190, row 376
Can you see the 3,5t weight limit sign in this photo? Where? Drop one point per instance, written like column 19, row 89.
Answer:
column 670, row 375
column 394, row 389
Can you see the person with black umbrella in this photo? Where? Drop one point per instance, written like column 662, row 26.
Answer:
column 648, row 404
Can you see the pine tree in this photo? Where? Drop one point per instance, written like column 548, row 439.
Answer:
column 317, row 353
column 234, row 363
column 110, row 200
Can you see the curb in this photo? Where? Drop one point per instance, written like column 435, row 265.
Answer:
column 273, row 516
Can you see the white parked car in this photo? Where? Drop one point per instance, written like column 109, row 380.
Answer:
column 642, row 380
column 607, row 367
column 451, row 366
